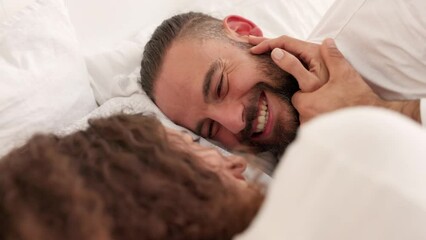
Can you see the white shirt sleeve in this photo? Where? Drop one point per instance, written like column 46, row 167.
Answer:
column 388, row 50
column 353, row 174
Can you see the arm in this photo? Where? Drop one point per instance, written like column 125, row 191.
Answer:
column 410, row 108
column 324, row 91
column 346, row 88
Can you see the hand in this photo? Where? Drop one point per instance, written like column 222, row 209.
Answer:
column 331, row 82
column 312, row 69
column 344, row 88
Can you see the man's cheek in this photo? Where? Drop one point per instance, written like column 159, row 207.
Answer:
column 226, row 138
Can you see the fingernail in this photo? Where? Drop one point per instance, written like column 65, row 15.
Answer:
column 277, row 54
column 330, row 43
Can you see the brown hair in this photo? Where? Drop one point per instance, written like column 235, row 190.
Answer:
column 119, row 179
column 191, row 24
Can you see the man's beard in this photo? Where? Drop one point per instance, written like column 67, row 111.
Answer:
column 284, row 87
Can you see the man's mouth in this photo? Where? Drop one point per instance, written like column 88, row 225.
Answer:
column 260, row 123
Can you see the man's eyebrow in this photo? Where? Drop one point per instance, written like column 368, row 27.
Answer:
column 208, row 79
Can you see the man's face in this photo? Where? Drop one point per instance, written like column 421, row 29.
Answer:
column 221, row 91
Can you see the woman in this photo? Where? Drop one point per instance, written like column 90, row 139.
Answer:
column 125, row 177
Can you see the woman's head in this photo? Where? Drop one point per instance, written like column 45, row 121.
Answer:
column 122, row 178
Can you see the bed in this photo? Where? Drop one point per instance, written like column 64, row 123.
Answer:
column 77, row 59
column 63, row 62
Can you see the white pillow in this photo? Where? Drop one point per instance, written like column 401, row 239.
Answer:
column 8, row 8
column 101, row 24
column 44, row 82
column 111, row 54
column 112, row 72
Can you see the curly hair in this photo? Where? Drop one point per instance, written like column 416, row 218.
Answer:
column 119, row 179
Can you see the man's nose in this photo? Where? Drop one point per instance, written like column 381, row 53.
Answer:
column 230, row 116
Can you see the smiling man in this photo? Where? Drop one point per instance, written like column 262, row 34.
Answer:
column 201, row 74
column 205, row 74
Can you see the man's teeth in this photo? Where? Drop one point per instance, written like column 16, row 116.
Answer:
column 262, row 119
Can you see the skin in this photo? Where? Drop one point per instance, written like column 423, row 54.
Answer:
column 324, row 79
column 229, row 168
column 324, row 84
column 311, row 75
column 225, row 114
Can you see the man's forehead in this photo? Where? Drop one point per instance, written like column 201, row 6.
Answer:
column 182, row 68
column 173, row 94
column 178, row 88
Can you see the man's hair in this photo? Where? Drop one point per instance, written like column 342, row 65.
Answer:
column 187, row 25
column 119, row 179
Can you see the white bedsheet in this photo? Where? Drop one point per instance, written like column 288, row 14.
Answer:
column 101, row 24
column 44, row 83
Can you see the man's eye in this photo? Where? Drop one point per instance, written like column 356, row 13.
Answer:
column 213, row 129
column 219, row 87
column 209, row 132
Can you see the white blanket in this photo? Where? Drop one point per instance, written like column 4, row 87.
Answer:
column 44, row 83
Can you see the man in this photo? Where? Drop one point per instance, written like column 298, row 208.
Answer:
column 216, row 87
column 201, row 73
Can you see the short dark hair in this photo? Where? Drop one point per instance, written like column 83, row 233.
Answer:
column 119, row 179
column 192, row 24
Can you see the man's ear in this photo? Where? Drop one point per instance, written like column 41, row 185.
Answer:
column 239, row 26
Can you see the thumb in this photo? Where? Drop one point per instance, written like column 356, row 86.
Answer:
column 302, row 103
column 333, row 58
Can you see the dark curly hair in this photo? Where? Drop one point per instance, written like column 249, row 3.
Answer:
column 119, row 179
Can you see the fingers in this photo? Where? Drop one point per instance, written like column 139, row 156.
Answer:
column 255, row 40
column 299, row 56
column 292, row 45
column 304, row 111
column 307, row 81
column 269, row 44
